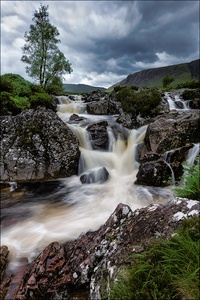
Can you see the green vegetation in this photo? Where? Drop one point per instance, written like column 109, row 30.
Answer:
column 192, row 84
column 167, row 270
column 190, row 182
column 45, row 61
column 167, row 79
column 191, row 94
column 144, row 103
column 18, row 94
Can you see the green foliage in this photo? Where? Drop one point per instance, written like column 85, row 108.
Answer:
column 167, row 79
column 40, row 52
column 15, row 85
column 56, row 86
column 190, row 182
column 191, row 94
column 41, row 99
column 18, row 94
column 193, row 84
column 7, row 104
column 146, row 102
column 167, row 270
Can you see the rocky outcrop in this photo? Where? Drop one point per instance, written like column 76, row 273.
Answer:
column 166, row 145
column 98, row 135
column 103, row 106
column 83, row 268
column 37, row 145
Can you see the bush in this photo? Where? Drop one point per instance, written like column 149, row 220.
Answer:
column 190, row 182
column 36, row 88
column 168, row 270
column 146, row 102
column 190, row 94
column 41, row 99
column 193, row 84
column 6, row 85
column 8, row 106
column 19, row 94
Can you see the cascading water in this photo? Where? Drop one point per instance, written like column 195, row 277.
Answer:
column 75, row 207
column 192, row 153
column 177, row 103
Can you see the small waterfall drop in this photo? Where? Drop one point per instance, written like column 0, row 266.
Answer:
column 177, row 103
column 76, row 207
column 192, row 153
column 167, row 161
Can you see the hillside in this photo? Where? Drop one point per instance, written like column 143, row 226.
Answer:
column 153, row 77
column 81, row 88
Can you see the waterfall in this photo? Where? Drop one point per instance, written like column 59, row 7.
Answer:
column 167, row 161
column 192, row 153
column 76, row 207
column 177, row 103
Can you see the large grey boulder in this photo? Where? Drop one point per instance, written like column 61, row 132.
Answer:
column 37, row 145
column 166, row 145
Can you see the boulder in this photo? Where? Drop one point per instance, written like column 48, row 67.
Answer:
column 81, row 269
column 95, row 176
column 160, row 135
column 165, row 147
column 37, row 145
column 75, row 119
column 98, row 135
column 103, row 107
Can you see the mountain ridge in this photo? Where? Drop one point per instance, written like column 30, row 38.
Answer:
column 153, row 77
column 81, row 88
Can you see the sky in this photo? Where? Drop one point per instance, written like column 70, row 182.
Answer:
column 105, row 41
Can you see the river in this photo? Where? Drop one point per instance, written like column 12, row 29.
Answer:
column 62, row 209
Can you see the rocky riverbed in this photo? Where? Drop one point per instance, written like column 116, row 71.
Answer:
column 39, row 145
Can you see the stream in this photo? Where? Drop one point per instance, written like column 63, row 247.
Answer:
column 60, row 210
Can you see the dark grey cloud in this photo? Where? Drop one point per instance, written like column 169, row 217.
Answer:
column 107, row 40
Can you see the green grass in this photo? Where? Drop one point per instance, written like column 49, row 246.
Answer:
column 190, row 186
column 168, row 270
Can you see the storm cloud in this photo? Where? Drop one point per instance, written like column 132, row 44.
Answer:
column 106, row 40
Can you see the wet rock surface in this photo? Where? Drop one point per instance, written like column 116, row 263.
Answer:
column 37, row 145
column 166, row 145
column 80, row 269
column 99, row 135
column 95, row 176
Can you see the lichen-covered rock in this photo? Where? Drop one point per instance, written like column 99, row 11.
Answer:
column 172, row 131
column 166, row 145
column 92, row 260
column 37, row 145
column 98, row 135
column 103, row 107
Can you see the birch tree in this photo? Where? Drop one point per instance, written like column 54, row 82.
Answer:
column 40, row 52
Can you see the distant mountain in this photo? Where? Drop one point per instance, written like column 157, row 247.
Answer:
column 81, row 88
column 153, row 77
